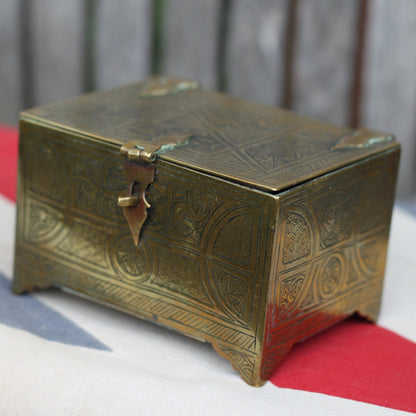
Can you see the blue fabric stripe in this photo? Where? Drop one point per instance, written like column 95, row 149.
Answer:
column 28, row 313
column 408, row 205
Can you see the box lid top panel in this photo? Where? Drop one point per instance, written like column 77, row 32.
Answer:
column 263, row 147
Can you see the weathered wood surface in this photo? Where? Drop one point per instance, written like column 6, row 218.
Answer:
column 389, row 102
column 191, row 39
column 255, row 50
column 300, row 54
column 57, row 40
column 324, row 52
column 10, row 65
column 123, row 32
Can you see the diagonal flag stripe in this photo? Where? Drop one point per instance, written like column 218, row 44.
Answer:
column 31, row 315
column 8, row 161
column 354, row 360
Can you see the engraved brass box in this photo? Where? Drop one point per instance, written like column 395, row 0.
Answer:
column 246, row 226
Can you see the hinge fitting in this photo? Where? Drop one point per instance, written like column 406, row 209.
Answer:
column 137, row 153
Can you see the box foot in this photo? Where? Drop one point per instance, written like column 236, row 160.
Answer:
column 248, row 365
column 22, row 284
column 272, row 359
column 369, row 311
column 253, row 368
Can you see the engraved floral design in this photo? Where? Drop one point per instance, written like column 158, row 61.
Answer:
column 243, row 362
column 87, row 243
column 233, row 292
column 290, row 150
column 374, row 208
column 330, row 277
column 289, row 291
column 43, row 221
column 336, row 225
column 190, row 211
column 180, row 274
column 96, row 185
column 41, row 180
column 131, row 259
column 297, row 238
column 234, row 241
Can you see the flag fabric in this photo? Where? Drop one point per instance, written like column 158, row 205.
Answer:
column 63, row 355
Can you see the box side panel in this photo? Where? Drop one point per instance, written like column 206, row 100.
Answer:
column 331, row 253
column 202, row 260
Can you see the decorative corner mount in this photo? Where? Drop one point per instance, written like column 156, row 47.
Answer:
column 158, row 86
column 362, row 138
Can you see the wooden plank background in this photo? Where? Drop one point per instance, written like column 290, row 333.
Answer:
column 11, row 91
column 255, row 51
column 56, row 33
column 324, row 55
column 347, row 62
column 123, row 42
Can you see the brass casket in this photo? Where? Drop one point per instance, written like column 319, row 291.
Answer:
column 246, row 226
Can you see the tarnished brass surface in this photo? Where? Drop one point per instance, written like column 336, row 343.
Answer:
column 279, row 233
column 236, row 140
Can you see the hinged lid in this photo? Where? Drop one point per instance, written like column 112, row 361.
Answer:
column 259, row 146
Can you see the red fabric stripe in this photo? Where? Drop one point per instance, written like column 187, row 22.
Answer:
column 355, row 360
column 8, row 161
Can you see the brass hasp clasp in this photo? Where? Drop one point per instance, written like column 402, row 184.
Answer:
column 140, row 175
column 139, row 170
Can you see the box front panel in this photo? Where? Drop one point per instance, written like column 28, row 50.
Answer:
column 202, row 260
column 331, row 252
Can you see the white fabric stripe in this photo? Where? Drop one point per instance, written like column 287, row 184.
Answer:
column 152, row 371
column 398, row 311
column 7, row 230
column 40, row 377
